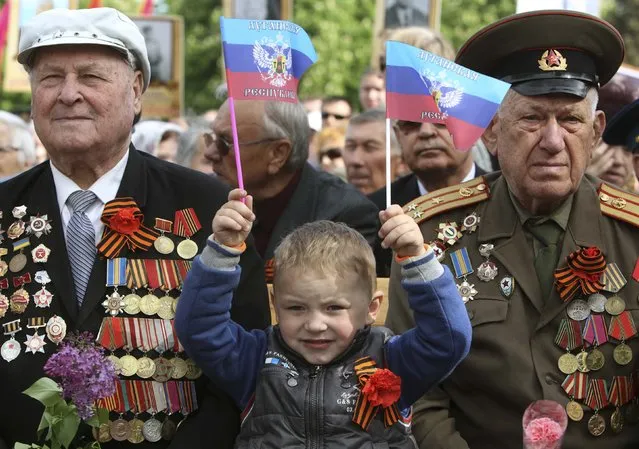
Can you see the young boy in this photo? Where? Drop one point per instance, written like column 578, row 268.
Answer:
column 323, row 377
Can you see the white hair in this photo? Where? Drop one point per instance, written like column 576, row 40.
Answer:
column 592, row 96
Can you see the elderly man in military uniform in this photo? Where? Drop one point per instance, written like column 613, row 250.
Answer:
column 545, row 257
column 100, row 238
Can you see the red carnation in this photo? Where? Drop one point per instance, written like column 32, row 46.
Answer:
column 383, row 388
column 125, row 221
column 592, row 252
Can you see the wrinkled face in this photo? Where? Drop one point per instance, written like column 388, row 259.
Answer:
column 319, row 315
column 84, row 99
column 335, row 113
column 372, row 91
column 621, row 167
column 428, row 148
column 544, row 144
column 365, row 156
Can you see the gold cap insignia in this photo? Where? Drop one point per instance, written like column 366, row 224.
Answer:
column 551, row 59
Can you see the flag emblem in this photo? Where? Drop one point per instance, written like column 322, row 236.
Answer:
column 273, row 60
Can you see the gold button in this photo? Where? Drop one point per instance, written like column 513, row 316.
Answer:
column 605, row 198
column 481, row 187
column 619, row 203
column 465, row 191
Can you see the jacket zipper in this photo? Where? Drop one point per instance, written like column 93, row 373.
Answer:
column 313, row 435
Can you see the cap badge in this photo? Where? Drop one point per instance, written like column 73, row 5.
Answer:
column 551, row 59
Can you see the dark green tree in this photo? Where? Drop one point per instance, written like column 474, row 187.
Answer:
column 624, row 15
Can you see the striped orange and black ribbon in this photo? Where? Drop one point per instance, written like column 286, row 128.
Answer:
column 364, row 410
column 583, row 273
column 112, row 241
column 269, row 270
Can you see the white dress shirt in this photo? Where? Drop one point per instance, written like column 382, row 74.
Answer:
column 469, row 176
column 105, row 189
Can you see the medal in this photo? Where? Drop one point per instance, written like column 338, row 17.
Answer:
column 117, row 366
column 462, row 266
column 119, row 430
column 4, row 301
column 597, row 302
column 569, row 338
column 179, row 368
column 597, row 399
column 42, row 298
column 578, row 310
column 487, row 270
column 622, row 328
column 470, row 223
column 146, row 367
column 149, row 304
column 582, row 366
column 574, row 411
column 575, row 387
column 192, row 370
column 615, row 305
column 20, row 298
column 620, row 391
column 19, row 260
column 129, row 365
column 612, row 278
column 163, row 244
column 595, row 360
column 115, row 277
column 152, row 430
column 136, row 435
column 186, row 224
column 136, row 278
column 507, row 286
column 165, row 310
column 439, row 249
column 56, row 329
column 102, row 434
column 17, row 227
column 114, row 303
column 40, row 253
column 1, row 230
column 163, row 370
column 596, row 425
column 3, row 265
column 10, row 349
column 449, row 233
column 39, row 225
column 132, row 304
column 35, row 343
column 170, row 281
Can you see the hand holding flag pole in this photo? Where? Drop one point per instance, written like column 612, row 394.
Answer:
column 423, row 87
column 264, row 60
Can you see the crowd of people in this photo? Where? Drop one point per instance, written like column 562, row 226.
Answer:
column 512, row 266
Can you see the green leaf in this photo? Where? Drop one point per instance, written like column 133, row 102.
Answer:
column 28, row 446
column 46, row 391
column 44, row 421
column 67, row 429
column 94, row 421
column 103, row 415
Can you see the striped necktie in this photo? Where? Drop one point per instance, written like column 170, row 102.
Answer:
column 81, row 241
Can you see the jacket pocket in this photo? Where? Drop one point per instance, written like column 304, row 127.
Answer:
column 487, row 309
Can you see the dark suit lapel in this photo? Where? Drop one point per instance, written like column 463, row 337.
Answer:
column 299, row 209
column 407, row 192
column 44, row 201
column 500, row 225
column 134, row 184
column 585, row 206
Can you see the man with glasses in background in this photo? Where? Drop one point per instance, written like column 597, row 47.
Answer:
column 335, row 111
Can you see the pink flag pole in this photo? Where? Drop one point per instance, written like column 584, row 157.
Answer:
column 388, row 162
column 236, row 145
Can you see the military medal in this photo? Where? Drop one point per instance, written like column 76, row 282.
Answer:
column 136, row 436
column 439, row 249
column 43, row 297
column 612, row 278
column 17, row 227
column 462, row 266
column 152, row 430
column 582, row 366
column 179, row 368
column 487, row 270
column 163, row 244
column 569, row 338
column 136, row 278
column 4, row 301
column 615, row 305
column 35, row 343
column 595, row 334
column 449, row 233
column 150, row 304
column 19, row 261
column 1, row 230
column 597, row 399
column 3, row 265
column 578, row 310
column 507, row 286
column 56, row 329
column 20, row 298
column 115, row 277
column 129, row 365
column 146, row 367
column 597, row 302
column 622, row 328
column 186, row 224
column 470, row 223
column 102, row 434
column 40, row 253
column 11, row 349
column 575, row 387
column 39, row 225
column 170, row 282
column 163, row 370
column 192, row 370
column 620, row 390
column 119, row 430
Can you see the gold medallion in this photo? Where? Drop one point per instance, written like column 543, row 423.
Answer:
column 567, row 363
column 574, row 411
column 179, row 368
column 615, row 305
column 19, row 301
column 596, row 425
column 132, row 304
column 149, row 304
column 163, row 369
column 116, row 363
column 119, row 430
column 164, row 245
column 166, row 311
column 192, row 370
column 616, row 421
column 582, row 366
column 595, row 360
column 146, row 367
column 187, row 249
column 135, row 435
column 622, row 354
column 128, row 366
column 102, row 434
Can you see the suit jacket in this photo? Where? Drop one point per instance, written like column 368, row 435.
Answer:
column 159, row 189
column 392, row 19
column 403, row 191
column 513, row 357
column 322, row 196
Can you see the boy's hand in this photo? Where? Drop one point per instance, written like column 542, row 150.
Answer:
column 400, row 233
column 233, row 222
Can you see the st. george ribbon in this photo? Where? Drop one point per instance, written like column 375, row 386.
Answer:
column 423, row 87
column 264, row 60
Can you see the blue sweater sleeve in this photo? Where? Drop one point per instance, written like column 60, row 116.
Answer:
column 229, row 355
column 428, row 353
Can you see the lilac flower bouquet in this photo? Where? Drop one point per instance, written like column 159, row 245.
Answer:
column 85, row 375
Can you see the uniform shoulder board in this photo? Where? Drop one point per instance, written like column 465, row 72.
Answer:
column 619, row 204
column 434, row 203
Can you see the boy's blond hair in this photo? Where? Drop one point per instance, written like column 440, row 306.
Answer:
column 329, row 248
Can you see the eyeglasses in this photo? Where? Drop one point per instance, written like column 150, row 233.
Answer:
column 224, row 146
column 331, row 153
column 326, row 115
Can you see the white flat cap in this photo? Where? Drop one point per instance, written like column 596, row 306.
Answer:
column 95, row 26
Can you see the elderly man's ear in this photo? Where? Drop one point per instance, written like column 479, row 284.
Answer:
column 138, row 86
column 279, row 153
column 490, row 136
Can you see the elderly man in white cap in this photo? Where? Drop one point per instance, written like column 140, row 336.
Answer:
column 72, row 228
